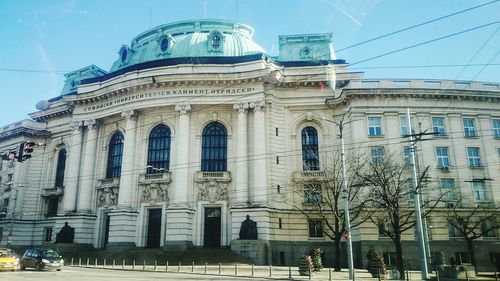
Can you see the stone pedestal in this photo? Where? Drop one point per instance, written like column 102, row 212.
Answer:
column 122, row 230
column 179, row 230
column 83, row 228
column 257, row 251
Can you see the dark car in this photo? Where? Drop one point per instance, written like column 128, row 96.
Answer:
column 41, row 259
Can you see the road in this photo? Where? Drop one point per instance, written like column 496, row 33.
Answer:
column 84, row 274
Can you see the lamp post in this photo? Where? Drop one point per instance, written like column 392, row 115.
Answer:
column 345, row 191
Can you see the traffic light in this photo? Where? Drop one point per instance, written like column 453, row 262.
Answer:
column 27, row 150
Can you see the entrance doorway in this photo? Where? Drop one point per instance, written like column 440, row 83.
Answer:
column 106, row 228
column 154, row 228
column 211, row 234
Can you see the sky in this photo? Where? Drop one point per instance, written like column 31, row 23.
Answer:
column 42, row 40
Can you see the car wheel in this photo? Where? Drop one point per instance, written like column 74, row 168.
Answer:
column 38, row 266
column 22, row 267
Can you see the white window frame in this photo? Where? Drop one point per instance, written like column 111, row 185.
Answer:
column 438, row 127
column 479, row 190
column 403, row 124
column 377, row 158
column 448, row 187
column 442, row 161
column 318, row 230
column 495, row 124
column 469, row 127
column 375, row 124
column 474, row 157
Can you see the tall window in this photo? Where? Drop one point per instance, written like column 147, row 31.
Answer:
column 310, row 154
column 438, row 126
column 403, row 123
column 479, row 190
column 377, row 154
column 496, row 127
column 374, row 126
column 453, row 231
column 115, row 153
column 215, row 41
column 315, row 228
column 473, row 157
column 214, row 148
column 61, row 166
column 488, row 228
column 469, row 127
column 407, row 155
column 443, row 160
column 448, row 189
column 159, row 150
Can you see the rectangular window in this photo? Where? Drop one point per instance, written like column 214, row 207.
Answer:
column 496, row 128
column 448, row 189
column 403, row 122
column 276, row 131
column 487, row 228
column 278, row 188
column 374, row 126
column 462, row 257
column 384, row 228
column 52, row 206
column 312, row 194
column 47, row 234
column 453, row 231
column 315, row 228
column 411, row 190
column 280, row 225
column 407, row 155
column 474, row 157
column 277, row 159
column 438, row 126
column 442, row 159
column 377, row 154
column 390, row 258
column 479, row 190
column 469, row 127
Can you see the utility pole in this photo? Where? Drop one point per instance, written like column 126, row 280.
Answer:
column 420, row 232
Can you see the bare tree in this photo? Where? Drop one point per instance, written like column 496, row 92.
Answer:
column 391, row 201
column 323, row 196
column 471, row 222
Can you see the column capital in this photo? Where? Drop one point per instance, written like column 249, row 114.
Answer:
column 258, row 105
column 130, row 114
column 75, row 125
column 183, row 108
column 241, row 107
column 92, row 123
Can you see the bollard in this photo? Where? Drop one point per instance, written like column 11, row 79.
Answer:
column 205, row 268
column 329, row 274
column 466, row 276
column 496, row 276
column 104, row 263
column 437, row 275
column 79, row 261
column 192, row 267
column 235, row 269
column 289, row 272
column 114, row 263
column 155, row 266
column 133, row 264
column 270, row 270
column 144, row 265
column 123, row 264
column 310, row 273
column 378, row 274
column 219, row 268
column 95, row 264
column 179, row 268
column 252, row 270
column 88, row 260
column 166, row 266
column 71, row 261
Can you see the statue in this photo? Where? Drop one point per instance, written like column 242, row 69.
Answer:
column 248, row 230
column 66, row 235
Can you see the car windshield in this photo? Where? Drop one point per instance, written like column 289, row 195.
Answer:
column 4, row 253
column 50, row 254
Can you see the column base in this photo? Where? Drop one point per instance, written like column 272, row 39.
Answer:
column 122, row 228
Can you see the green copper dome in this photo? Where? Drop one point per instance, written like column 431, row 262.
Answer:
column 194, row 38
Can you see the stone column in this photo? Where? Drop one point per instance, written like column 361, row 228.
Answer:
column 241, row 189
column 260, row 163
column 181, row 174
column 87, row 183
column 128, row 161
column 75, row 153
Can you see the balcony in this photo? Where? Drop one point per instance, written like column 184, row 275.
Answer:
column 305, row 176
column 208, row 176
column 54, row 191
column 161, row 178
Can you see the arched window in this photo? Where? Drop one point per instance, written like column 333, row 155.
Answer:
column 115, row 154
column 214, row 148
column 216, row 41
column 310, row 154
column 61, row 166
column 159, row 150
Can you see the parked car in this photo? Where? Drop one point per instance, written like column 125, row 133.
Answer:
column 8, row 259
column 41, row 259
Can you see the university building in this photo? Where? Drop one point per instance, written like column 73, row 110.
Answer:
column 195, row 127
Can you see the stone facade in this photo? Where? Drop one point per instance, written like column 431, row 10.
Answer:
column 263, row 103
